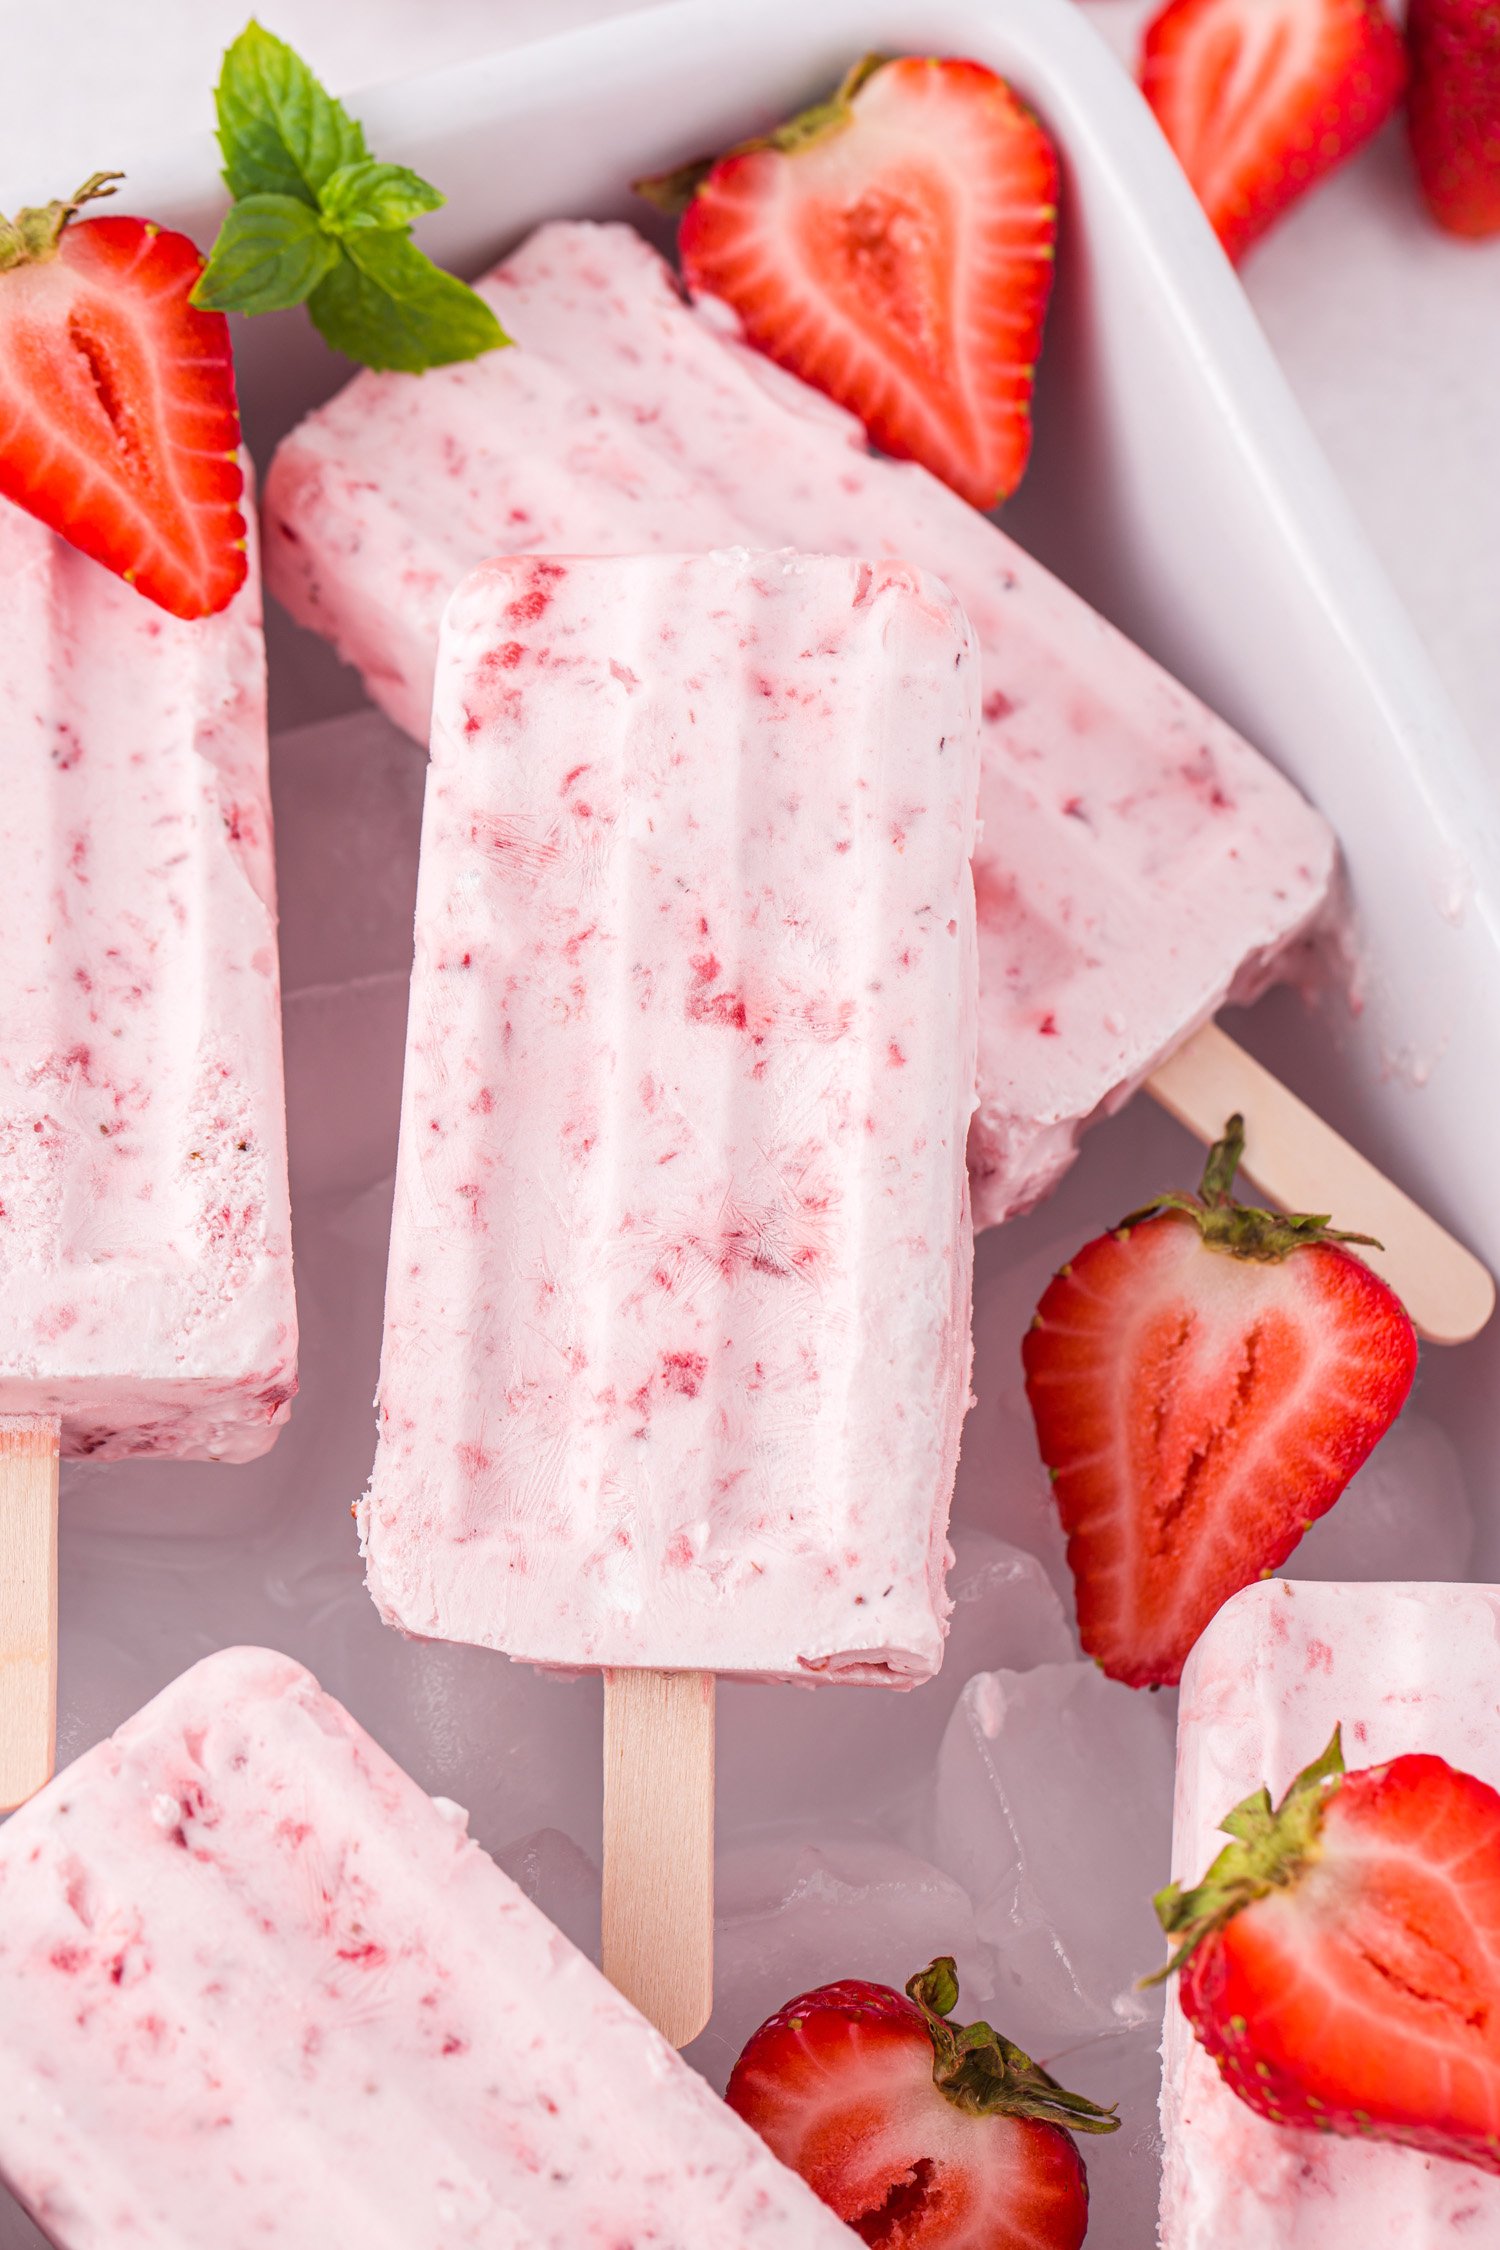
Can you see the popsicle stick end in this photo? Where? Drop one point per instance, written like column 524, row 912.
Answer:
column 29, row 1445
column 658, row 1905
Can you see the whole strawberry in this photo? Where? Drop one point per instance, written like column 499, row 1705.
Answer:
column 1453, row 112
column 1205, row 1380
column 118, row 423
column 1341, row 1958
column 893, row 247
column 1261, row 99
column 920, row 2133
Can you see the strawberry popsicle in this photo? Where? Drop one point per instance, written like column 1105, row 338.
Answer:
column 145, row 1244
column 257, row 1988
column 676, row 1347
column 1138, row 863
column 145, row 1239
column 1400, row 1668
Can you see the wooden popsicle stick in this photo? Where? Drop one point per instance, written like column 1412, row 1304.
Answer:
column 1303, row 1165
column 28, row 1604
column 658, row 1909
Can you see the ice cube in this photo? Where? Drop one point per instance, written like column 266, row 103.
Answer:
column 562, row 1880
column 798, row 1911
column 348, row 802
column 1124, row 2168
column 347, row 796
column 1005, row 1613
column 1052, row 1806
column 1002, row 1486
column 789, row 1752
column 1405, row 1515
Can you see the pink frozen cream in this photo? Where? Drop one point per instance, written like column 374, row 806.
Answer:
column 145, row 1242
column 1402, row 1668
column 256, row 1988
column 677, row 1319
column 1138, row 864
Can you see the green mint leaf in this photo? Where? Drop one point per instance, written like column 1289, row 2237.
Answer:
column 317, row 219
column 272, row 251
column 386, row 304
column 280, row 133
column 376, row 195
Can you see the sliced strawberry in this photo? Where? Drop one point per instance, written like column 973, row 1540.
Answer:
column 118, row 425
column 1341, row 1959
column 1261, row 99
column 894, row 248
column 919, row 2133
column 1454, row 110
column 1205, row 1381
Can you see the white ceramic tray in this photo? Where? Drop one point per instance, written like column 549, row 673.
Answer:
column 1176, row 486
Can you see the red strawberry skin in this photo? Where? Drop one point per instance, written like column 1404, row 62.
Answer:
column 1261, row 99
column 1365, row 1997
column 118, row 423
column 902, row 264
column 1198, row 1411
column 839, row 2083
column 1453, row 113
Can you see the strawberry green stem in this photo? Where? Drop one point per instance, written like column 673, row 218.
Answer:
column 1245, row 1230
column 1224, row 1160
column 1272, row 1850
column 988, row 2075
column 34, row 234
column 673, row 191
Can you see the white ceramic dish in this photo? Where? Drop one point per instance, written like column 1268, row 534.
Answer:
column 1176, row 486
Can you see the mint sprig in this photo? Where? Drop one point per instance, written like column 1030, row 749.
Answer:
column 317, row 220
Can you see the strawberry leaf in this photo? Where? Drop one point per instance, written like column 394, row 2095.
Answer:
column 317, row 219
column 32, row 235
column 987, row 2075
column 1272, row 1845
column 377, row 195
column 271, row 252
column 1246, row 1230
column 280, row 132
column 388, row 306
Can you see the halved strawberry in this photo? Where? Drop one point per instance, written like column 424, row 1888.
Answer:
column 1341, row 1958
column 1205, row 1381
column 920, row 2133
column 1263, row 98
column 893, row 247
column 118, row 424
column 1454, row 110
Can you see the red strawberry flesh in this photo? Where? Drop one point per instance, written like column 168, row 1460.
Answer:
column 901, row 261
column 118, row 425
column 841, row 2085
column 1359, row 1993
column 1198, row 1409
column 1261, row 99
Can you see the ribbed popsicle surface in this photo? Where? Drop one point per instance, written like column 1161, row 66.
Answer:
column 677, row 1343
column 259, row 1992
column 1138, row 862
column 145, row 1251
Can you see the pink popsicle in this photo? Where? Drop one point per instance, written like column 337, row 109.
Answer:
column 677, row 1345
column 257, row 1989
column 145, row 1240
column 1138, row 864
